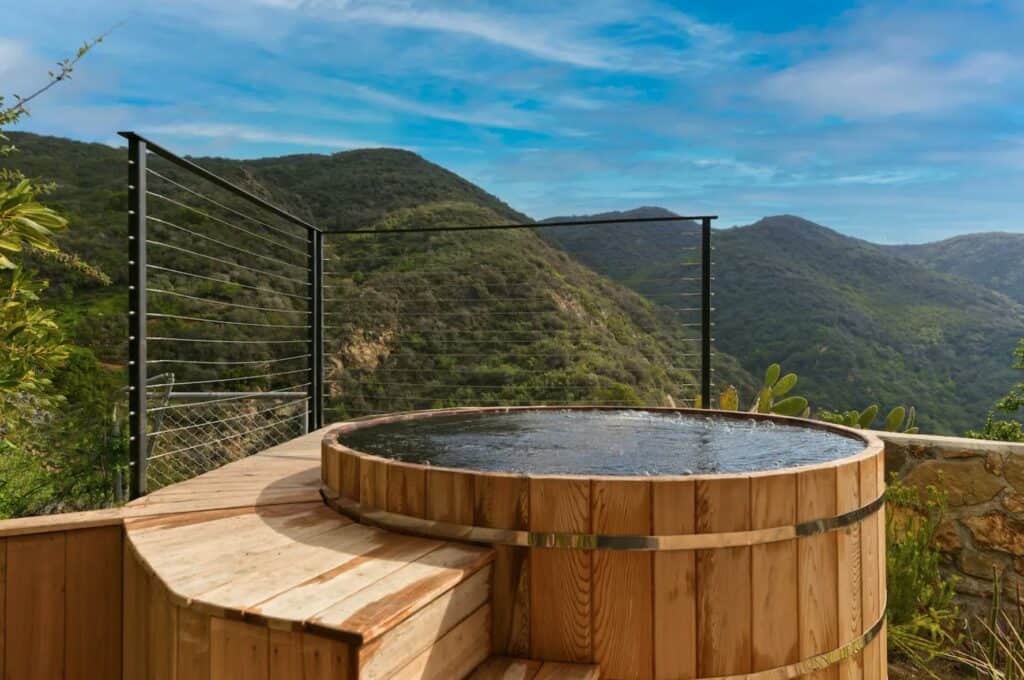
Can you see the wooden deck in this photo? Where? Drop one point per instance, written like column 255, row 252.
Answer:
column 244, row 573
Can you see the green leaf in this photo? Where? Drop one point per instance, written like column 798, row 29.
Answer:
column 785, row 384
column 771, row 376
column 790, row 406
column 895, row 419
column 867, row 416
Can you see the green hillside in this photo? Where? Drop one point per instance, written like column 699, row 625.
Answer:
column 857, row 322
column 416, row 321
column 991, row 259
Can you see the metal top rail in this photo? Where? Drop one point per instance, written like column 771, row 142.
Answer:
column 216, row 179
column 533, row 225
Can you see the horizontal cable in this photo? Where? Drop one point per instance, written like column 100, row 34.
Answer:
column 447, row 271
column 304, row 239
column 484, row 369
column 227, row 304
column 226, row 282
column 221, row 362
column 209, row 423
column 222, row 262
column 244, row 378
column 527, row 386
column 196, row 211
column 530, row 313
column 499, row 402
column 688, row 221
column 511, row 353
column 225, row 244
column 225, row 341
column 230, row 437
column 178, row 317
column 243, row 395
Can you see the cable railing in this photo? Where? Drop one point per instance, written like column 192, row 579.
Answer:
column 249, row 325
column 223, row 303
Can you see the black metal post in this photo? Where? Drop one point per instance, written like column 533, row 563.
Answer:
column 316, row 329
column 138, row 447
column 705, row 322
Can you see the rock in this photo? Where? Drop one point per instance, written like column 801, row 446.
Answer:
column 1018, row 565
column 959, row 453
column 994, row 463
column 895, row 458
column 1014, row 502
column 967, row 481
column 982, row 565
column 1013, row 470
column 998, row 532
column 947, row 538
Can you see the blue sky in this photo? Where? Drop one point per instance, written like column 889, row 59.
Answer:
column 894, row 122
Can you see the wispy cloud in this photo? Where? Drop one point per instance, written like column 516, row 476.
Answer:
column 868, row 84
column 489, row 116
column 229, row 132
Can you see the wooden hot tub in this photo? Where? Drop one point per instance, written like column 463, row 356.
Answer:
column 767, row 574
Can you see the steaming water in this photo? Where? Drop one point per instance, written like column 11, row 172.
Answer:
column 601, row 443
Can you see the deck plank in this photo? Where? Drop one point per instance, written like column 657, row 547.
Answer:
column 399, row 646
column 378, row 607
column 507, row 668
column 456, row 654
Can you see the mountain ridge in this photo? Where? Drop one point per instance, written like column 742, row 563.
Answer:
column 858, row 322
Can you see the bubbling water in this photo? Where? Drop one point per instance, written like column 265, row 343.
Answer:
column 602, row 443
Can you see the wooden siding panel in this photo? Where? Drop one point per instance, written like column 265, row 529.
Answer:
column 35, row 600
column 502, row 502
column 193, row 645
column 851, row 620
column 135, row 646
column 675, row 594
column 324, row 659
column 723, row 575
column 238, row 651
column 450, row 496
column 93, row 630
column 775, row 634
column 560, row 580
column 623, row 617
column 819, row 568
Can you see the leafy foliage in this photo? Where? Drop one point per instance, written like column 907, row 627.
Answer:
column 920, row 611
column 997, row 653
column 40, row 435
column 1006, row 429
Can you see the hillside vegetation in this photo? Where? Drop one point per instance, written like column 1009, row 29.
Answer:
column 415, row 320
column 991, row 259
column 857, row 322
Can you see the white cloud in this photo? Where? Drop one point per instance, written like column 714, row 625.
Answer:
column 870, row 84
column 227, row 131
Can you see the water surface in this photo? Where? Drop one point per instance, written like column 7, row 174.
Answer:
column 601, row 443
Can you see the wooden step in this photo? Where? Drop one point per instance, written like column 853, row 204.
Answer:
column 311, row 590
column 508, row 668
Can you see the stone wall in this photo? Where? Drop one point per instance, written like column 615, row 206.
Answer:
column 983, row 530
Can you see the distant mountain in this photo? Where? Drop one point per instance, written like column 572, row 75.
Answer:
column 991, row 259
column 495, row 317
column 859, row 322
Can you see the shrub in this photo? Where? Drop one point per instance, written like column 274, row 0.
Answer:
column 921, row 615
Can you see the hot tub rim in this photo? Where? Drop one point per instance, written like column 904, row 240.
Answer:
column 873, row 445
